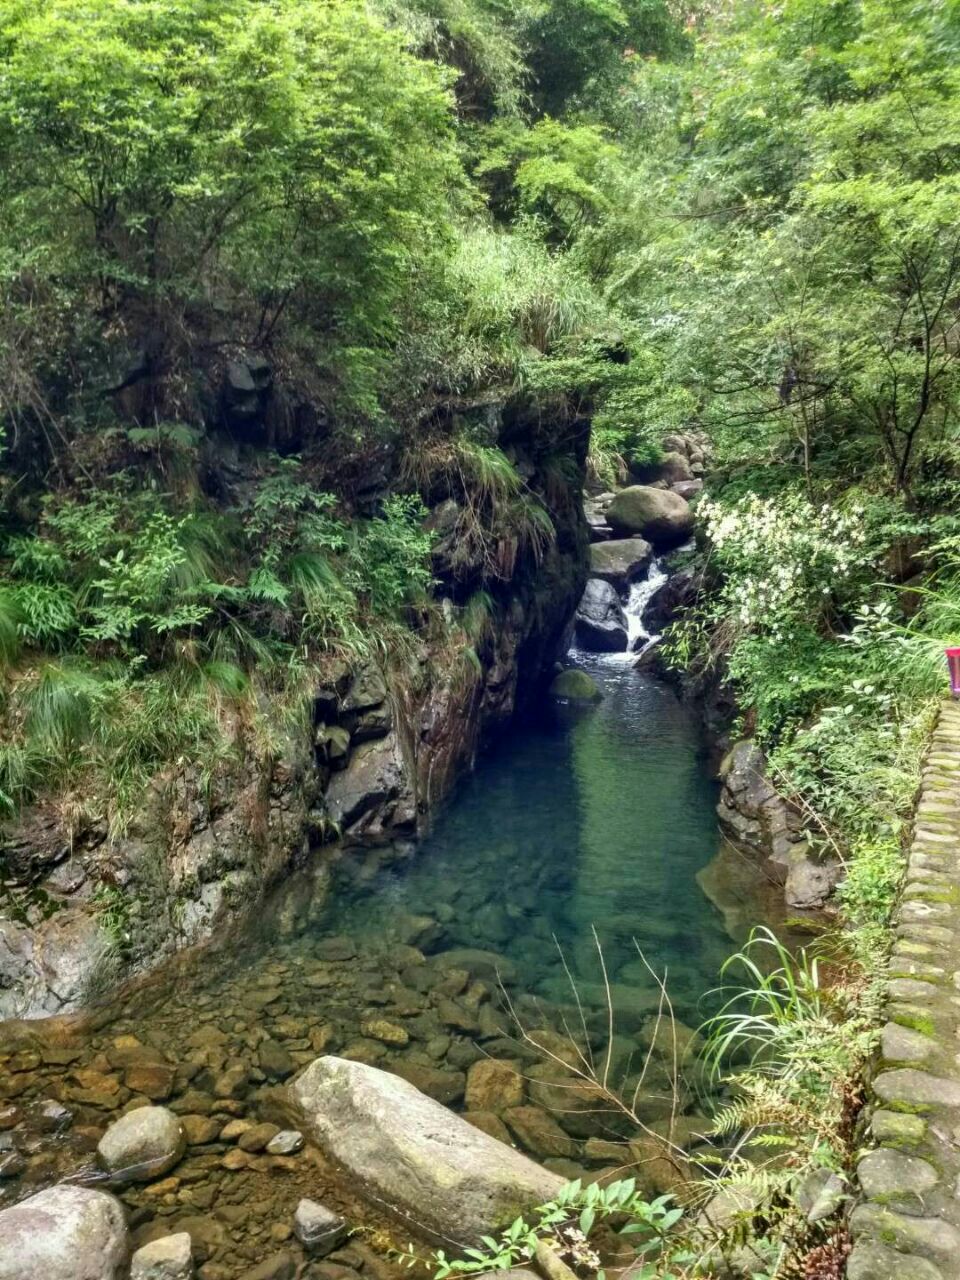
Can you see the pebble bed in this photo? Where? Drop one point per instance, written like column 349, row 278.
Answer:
column 448, row 1021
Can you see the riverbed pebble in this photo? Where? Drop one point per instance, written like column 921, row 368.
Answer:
column 169, row 1258
column 285, row 1143
column 318, row 1228
column 142, row 1145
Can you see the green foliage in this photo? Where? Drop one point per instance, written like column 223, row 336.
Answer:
column 161, row 621
column 564, row 1225
column 292, row 151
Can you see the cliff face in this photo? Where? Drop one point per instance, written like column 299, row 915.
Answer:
column 382, row 745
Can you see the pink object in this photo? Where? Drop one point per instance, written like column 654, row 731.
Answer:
column 953, row 662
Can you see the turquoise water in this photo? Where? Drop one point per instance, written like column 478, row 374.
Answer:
column 578, row 820
column 423, row 961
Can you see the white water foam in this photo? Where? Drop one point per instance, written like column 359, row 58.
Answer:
column 641, row 593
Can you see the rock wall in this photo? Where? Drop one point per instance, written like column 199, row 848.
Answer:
column 380, row 749
column 757, row 819
column 907, row 1221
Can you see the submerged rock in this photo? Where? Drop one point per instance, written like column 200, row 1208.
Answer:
column 142, row 1145
column 601, row 622
column 318, row 1228
column 169, row 1258
column 64, row 1233
column 575, row 686
column 660, row 516
column 411, row 1153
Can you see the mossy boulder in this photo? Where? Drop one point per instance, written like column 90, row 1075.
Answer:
column 660, row 516
column 575, row 686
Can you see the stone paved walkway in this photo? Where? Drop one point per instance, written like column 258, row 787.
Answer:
column 907, row 1224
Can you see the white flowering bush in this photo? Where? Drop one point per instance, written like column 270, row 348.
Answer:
column 783, row 559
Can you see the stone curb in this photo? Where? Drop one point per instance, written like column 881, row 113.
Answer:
column 906, row 1225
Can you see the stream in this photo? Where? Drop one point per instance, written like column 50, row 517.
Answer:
column 563, row 873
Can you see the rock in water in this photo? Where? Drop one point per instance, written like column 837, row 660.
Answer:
column 142, row 1145
column 432, row 1167
column 664, row 518
column 575, row 686
column 601, row 622
column 169, row 1258
column 63, row 1233
column 318, row 1228
column 620, row 562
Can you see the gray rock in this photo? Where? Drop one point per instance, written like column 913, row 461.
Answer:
column 674, row 468
column 142, row 1144
column 662, row 517
column 368, row 689
column 169, row 1258
column 897, row 1179
column 620, row 562
column 318, row 1228
column 820, row 1194
column 687, row 489
column 47, row 969
column 897, row 1128
column 372, row 789
column 64, row 1233
column 275, row 1061
column 931, row 1238
column 810, row 881
column 286, row 1143
column 430, row 1165
column 871, row 1260
column 902, row 1044
column 917, row 1088
column 601, row 622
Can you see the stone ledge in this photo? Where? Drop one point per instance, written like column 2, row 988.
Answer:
column 907, row 1223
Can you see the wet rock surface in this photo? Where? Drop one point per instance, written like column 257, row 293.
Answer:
column 658, row 515
column 601, row 622
column 247, row 1162
column 620, row 562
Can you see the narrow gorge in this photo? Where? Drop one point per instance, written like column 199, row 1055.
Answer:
column 479, row 599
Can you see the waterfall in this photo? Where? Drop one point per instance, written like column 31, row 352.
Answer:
column 641, row 593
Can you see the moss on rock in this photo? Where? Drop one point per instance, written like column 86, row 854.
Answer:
column 575, row 686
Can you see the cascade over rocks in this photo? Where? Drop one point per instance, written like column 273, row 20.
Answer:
column 431, row 1167
column 601, row 622
column 64, row 1233
column 660, row 516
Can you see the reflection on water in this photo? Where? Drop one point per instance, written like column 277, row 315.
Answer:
column 599, row 819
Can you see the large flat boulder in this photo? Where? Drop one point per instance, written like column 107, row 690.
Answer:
column 621, row 561
column 431, row 1167
column 660, row 516
column 601, row 622
column 64, row 1233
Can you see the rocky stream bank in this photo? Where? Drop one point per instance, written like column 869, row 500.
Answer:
column 382, row 746
column 190, row 1126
